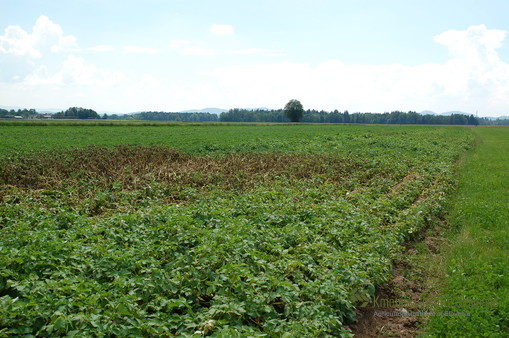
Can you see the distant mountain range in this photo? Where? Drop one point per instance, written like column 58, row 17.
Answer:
column 39, row 110
column 429, row 112
column 217, row 110
column 205, row 110
column 497, row 118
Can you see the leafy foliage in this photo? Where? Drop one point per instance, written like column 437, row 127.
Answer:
column 335, row 116
column 228, row 239
column 164, row 116
column 77, row 113
column 294, row 110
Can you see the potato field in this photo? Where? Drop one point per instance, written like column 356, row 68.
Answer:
column 223, row 230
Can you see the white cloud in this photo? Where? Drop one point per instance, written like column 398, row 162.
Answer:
column 196, row 50
column 150, row 81
column 18, row 42
column 473, row 79
column 248, row 51
column 137, row 49
column 259, row 51
column 222, row 29
column 74, row 71
column 187, row 47
column 46, row 37
column 182, row 43
column 191, row 48
column 278, row 54
column 102, row 48
column 477, row 43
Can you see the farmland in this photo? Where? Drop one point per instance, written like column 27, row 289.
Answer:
column 234, row 230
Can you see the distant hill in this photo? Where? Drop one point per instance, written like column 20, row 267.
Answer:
column 497, row 118
column 219, row 110
column 39, row 110
column 205, row 110
column 258, row 108
column 427, row 112
column 448, row 113
column 455, row 112
column 108, row 112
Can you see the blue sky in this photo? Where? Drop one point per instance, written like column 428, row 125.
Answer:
column 125, row 56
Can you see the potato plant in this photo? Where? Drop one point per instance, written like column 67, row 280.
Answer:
column 265, row 238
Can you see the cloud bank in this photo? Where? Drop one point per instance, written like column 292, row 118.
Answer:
column 474, row 78
column 50, row 66
column 218, row 29
column 137, row 49
column 45, row 36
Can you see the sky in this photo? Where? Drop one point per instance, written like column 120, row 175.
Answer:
column 154, row 55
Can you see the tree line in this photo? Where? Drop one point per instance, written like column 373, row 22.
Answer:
column 71, row 113
column 184, row 117
column 77, row 113
column 25, row 113
column 315, row 116
column 268, row 116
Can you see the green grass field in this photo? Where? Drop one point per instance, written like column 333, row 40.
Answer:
column 229, row 230
column 474, row 277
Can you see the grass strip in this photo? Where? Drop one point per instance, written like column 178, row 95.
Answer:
column 475, row 296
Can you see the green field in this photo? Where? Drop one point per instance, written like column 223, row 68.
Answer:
column 232, row 230
column 201, row 138
column 473, row 275
column 198, row 138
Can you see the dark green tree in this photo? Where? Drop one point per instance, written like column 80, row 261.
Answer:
column 77, row 113
column 472, row 120
column 346, row 117
column 294, row 110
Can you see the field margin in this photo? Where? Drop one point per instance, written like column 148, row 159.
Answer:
column 471, row 271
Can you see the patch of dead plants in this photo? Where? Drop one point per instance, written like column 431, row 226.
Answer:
column 134, row 167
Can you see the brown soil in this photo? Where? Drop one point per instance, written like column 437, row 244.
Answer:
column 412, row 293
column 381, row 321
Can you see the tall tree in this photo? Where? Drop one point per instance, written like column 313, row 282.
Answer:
column 294, row 110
